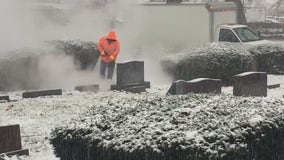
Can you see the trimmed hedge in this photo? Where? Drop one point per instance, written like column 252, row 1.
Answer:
column 269, row 58
column 190, row 127
column 213, row 60
column 85, row 53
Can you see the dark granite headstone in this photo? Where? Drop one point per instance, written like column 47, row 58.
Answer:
column 34, row 94
column 130, row 77
column 90, row 88
column 250, row 84
column 177, row 88
column 199, row 85
column 6, row 98
column 130, row 72
column 10, row 141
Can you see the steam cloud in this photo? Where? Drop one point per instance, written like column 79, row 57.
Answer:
column 30, row 23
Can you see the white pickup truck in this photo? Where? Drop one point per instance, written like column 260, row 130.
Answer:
column 187, row 24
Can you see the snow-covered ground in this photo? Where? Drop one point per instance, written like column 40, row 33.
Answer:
column 38, row 116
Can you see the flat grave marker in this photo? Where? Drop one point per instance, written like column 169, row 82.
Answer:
column 272, row 86
column 6, row 98
column 34, row 94
column 86, row 88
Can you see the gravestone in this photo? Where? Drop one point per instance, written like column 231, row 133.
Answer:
column 6, row 98
column 10, row 141
column 199, row 85
column 34, row 94
column 250, row 84
column 130, row 77
column 130, row 72
column 90, row 88
column 272, row 86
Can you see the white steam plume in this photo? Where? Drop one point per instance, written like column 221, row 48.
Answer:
column 30, row 23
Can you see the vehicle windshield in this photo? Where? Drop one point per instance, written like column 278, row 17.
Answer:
column 246, row 34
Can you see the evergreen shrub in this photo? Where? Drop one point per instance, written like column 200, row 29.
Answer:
column 210, row 61
column 269, row 58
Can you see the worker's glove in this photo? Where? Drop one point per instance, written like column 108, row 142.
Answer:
column 111, row 57
column 103, row 53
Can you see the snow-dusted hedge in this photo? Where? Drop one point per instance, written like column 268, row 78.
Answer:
column 189, row 127
column 85, row 53
column 212, row 60
column 19, row 70
column 269, row 58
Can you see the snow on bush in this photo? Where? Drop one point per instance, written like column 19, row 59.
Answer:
column 213, row 60
column 152, row 127
column 85, row 53
column 269, row 58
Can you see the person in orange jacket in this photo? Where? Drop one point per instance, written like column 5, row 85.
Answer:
column 109, row 48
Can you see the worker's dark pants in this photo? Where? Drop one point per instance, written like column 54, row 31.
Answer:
column 109, row 66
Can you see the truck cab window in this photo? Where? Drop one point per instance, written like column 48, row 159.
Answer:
column 227, row 35
column 246, row 34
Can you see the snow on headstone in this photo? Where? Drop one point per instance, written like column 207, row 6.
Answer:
column 10, row 141
column 250, row 84
column 199, row 85
column 130, row 77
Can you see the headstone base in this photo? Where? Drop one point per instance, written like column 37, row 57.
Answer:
column 86, row 88
column 134, row 87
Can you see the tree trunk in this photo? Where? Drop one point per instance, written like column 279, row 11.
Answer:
column 241, row 18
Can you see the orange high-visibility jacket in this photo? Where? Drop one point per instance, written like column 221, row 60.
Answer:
column 110, row 49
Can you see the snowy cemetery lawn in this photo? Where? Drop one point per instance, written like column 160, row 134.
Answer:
column 39, row 116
